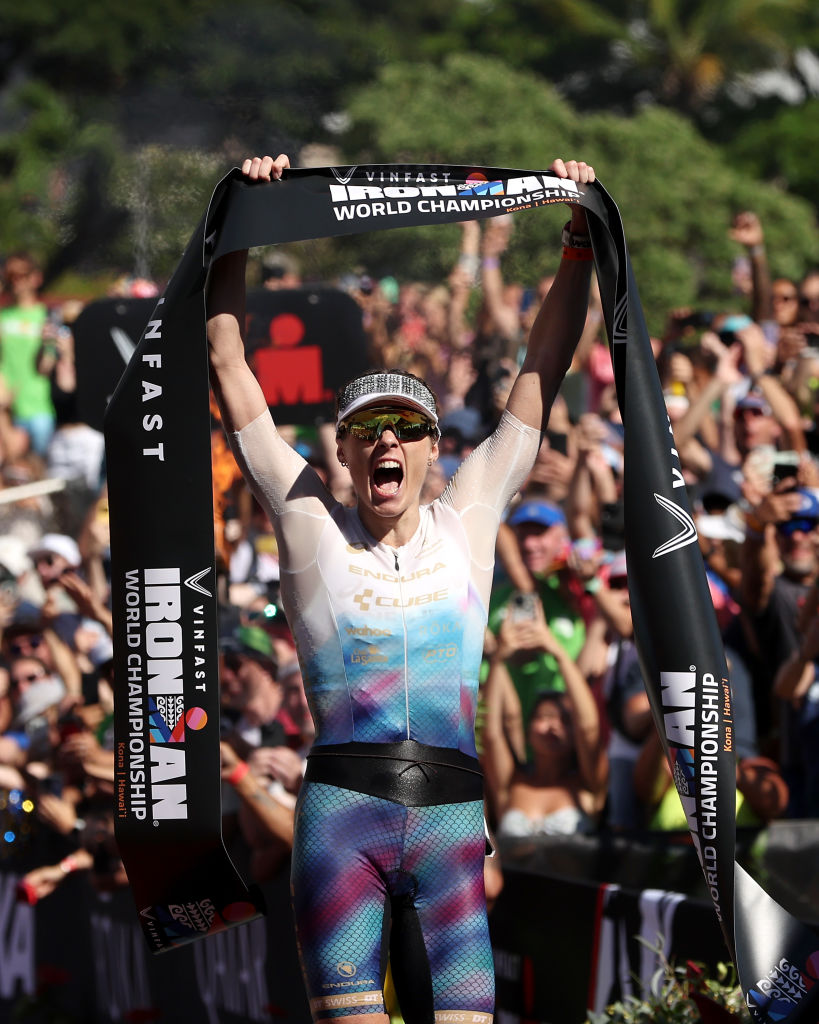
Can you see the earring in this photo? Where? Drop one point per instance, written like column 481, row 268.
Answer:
column 344, row 464
column 429, row 462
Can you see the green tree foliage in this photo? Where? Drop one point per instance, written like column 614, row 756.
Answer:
column 783, row 149
column 51, row 166
column 620, row 55
column 676, row 193
column 165, row 191
column 89, row 48
column 88, row 94
column 685, row 53
column 257, row 75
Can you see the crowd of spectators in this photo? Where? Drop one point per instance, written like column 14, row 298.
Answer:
column 565, row 728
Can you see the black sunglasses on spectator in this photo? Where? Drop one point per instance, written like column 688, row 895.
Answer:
column 18, row 647
column 29, row 677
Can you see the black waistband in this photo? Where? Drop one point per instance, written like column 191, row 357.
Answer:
column 409, row 773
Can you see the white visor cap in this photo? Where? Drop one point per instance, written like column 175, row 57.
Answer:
column 386, row 388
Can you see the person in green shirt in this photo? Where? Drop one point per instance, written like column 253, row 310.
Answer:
column 542, row 537
column 21, row 338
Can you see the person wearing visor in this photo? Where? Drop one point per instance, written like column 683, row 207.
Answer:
column 387, row 601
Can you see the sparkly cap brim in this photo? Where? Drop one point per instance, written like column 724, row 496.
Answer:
column 380, row 388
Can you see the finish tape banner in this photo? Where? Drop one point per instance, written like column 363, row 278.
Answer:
column 158, row 444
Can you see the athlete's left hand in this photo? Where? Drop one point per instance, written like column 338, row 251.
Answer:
column 265, row 168
column 580, row 171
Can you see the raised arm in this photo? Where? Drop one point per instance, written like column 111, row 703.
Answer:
column 498, row 760
column 237, row 391
column 559, row 324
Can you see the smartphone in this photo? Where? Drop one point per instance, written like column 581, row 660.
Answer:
column 557, row 441
column 69, row 725
column 52, row 784
column 785, row 467
column 522, row 606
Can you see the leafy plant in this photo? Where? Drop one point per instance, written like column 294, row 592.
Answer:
column 680, row 993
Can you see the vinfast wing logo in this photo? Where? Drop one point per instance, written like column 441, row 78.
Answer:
column 343, row 177
column 620, row 321
column 193, row 582
column 687, row 535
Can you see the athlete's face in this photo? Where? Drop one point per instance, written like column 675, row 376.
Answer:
column 387, row 472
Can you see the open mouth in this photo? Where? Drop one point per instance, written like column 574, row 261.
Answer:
column 387, row 477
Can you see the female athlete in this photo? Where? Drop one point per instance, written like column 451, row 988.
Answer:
column 388, row 603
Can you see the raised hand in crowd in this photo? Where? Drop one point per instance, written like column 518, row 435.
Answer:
column 82, row 752
column 462, row 279
column 563, row 787
column 592, row 484
column 86, row 600
column 798, row 674
column 461, row 375
column 265, row 822
column 502, row 309
column 278, row 764
column 747, row 231
column 43, row 881
column 56, row 812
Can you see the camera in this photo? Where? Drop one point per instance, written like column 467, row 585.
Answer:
column 730, row 325
column 699, row 319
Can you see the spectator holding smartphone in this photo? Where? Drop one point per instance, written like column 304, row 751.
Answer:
column 542, row 541
column 561, row 788
column 797, row 687
column 780, row 560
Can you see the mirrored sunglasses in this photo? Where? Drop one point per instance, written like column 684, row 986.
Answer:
column 370, row 424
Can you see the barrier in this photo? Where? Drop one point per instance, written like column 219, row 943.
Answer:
column 84, row 952
column 563, row 942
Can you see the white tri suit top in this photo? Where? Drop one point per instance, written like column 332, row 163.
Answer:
column 389, row 639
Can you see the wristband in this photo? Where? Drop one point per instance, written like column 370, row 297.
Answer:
column 26, row 893
column 469, row 262
column 68, row 864
column 584, row 255
column 238, row 773
column 572, row 241
column 490, row 263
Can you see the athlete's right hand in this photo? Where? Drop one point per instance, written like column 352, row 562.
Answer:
column 265, row 168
